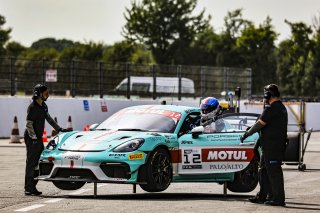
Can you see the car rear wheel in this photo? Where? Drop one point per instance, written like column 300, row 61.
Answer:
column 247, row 179
column 158, row 171
column 68, row 185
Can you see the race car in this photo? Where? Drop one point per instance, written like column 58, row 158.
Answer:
column 153, row 146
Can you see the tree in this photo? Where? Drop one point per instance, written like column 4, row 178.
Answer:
column 165, row 26
column 203, row 50
column 4, row 36
column 229, row 54
column 124, row 51
column 14, row 49
column 295, row 68
column 59, row 44
column 87, row 52
column 257, row 47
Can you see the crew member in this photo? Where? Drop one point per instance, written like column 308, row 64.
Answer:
column 36, row 115
column 210, row 110
column 273, row 126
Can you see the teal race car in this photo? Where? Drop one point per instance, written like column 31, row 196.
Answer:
column 153, row 146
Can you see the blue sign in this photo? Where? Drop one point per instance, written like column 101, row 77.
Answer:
column 86, row 105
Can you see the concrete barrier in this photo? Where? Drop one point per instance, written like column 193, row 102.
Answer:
column 94, row 110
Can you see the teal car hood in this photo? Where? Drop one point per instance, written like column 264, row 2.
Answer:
column 97, row 140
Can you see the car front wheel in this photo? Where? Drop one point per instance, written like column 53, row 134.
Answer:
column 158, row 171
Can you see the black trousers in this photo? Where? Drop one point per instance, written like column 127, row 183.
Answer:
column 271, row 180
column 34, row 149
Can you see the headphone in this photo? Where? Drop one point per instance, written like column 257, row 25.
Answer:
column 270, row 90
column 38, row 89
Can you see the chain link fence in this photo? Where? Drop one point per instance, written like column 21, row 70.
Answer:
column 85, row 78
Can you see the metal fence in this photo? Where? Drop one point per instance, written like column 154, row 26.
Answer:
column 85, row 78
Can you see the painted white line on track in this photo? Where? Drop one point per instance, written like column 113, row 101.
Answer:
column 53, row 200
column 101, row 185
column 80, row 191
column 29, row 208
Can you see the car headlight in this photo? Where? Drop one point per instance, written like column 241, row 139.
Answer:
column 53, row 143
column 130, row 146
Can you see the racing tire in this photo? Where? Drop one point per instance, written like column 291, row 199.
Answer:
column 68, row 185
column 158, row 171
column 247, row 179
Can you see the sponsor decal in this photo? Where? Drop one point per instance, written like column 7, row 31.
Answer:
column 171, row 114
column 74, row 177
column 137, row 156
column 226, row 166
column 191, row 166
column 186, row 142
column 73, row 157
column 212, row 155
column 117, row 155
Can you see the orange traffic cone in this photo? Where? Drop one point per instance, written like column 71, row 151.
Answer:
column 15, row 136
column 69, row 124
column 54, row 132
column 44, row 136
column 87, row 127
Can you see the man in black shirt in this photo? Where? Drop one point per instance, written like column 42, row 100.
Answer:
column 37, row 114
column 273, row 126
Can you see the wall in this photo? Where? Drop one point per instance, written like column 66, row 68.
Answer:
column 63, row 107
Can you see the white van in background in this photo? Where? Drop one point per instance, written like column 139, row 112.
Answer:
column 169, row 85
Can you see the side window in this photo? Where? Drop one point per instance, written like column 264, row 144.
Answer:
column 140, row 87
column 191, row 121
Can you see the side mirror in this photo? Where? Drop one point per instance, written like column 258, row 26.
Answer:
column 197, row 131
column 93, row 126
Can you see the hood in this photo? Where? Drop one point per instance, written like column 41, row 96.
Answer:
column 96, row 140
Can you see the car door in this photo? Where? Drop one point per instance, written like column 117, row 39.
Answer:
column 220, row 151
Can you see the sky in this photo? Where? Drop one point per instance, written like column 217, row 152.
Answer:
column 102, row 20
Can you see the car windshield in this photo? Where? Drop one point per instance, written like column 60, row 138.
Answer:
column 153, row 120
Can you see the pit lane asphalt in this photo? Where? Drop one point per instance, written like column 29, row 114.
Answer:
column 302, row 191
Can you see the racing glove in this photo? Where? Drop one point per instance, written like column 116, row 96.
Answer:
column 244, row 136
column 64, row 130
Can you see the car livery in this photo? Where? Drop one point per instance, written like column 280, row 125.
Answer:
column 153, row 146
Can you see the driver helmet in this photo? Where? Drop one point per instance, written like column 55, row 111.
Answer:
column 209, row 107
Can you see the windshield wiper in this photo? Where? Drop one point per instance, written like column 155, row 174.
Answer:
column 129, row 129
column 102, row 129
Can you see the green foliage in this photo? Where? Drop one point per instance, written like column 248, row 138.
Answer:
column 89, row 52
column 228, row 53
column 257, row 48
column 294, row 68
column 4, row 36
column 122, row 52
column 165, row 26
column 59, row 44
column 14, row 49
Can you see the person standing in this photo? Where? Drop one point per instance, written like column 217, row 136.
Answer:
column 37, row 113
column 273, row 126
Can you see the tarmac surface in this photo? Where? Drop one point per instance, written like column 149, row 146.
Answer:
column 302, row 191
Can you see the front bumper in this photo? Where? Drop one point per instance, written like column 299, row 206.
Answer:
column 89, row 167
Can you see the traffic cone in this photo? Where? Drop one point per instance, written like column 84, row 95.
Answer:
column 15, row 136
column 87, row 127
column 54, row 132
column 44, row 136
column 69, row 124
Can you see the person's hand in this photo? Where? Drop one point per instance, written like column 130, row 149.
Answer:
column 64, row 130
column 243, row 137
